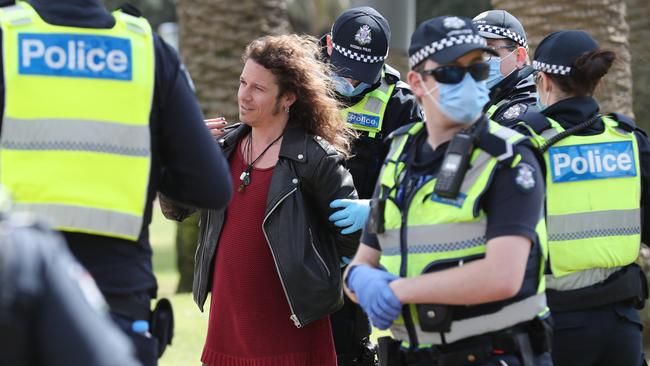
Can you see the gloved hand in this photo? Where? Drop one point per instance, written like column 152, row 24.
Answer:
column 353, row 216
column 375, row 296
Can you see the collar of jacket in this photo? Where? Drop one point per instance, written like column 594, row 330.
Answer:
column 517, row 82
column 294, row 142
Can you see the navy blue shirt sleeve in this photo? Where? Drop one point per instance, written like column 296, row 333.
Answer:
column 644, row 156
column 514, row 202
column 192, row 168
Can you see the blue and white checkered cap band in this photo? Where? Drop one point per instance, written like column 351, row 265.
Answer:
column 358, row 56
column 504, row 32
column 440, row 45
column 551, row 69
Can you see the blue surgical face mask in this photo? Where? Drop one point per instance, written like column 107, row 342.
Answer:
column 463, row 102
column 345, row 88
column 496, row 76
column 541, row 106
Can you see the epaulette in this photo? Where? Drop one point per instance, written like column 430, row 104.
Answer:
column 324, row 144
column 127, row 8
column 625, row 122
column 536, row 121
column 401, row 131
column 391, row 74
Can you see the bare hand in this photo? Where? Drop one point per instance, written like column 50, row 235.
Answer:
column 216, row 126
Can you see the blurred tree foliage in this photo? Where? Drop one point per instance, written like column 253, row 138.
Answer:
column 156, row 11
column 426, row 9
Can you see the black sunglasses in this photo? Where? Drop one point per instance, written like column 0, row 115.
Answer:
column 454, row 74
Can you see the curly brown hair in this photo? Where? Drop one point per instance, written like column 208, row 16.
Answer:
column 294, row 60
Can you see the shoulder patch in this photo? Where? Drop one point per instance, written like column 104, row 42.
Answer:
column 515, row 111
column 524, row 175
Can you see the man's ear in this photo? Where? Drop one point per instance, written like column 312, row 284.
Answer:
column 415, row 81
column 290, row 98
column 522, row 57
column 328, row 40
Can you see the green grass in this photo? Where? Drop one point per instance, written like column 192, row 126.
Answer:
column 191, row 324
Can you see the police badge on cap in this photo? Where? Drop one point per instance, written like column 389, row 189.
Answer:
column 360, row 39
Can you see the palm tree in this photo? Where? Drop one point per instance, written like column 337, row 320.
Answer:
column 603, row 19
column 638, row 17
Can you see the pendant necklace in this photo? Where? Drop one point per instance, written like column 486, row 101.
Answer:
column 245, row 176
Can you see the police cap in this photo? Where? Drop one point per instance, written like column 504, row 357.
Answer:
column 445, row 39
column 360, row 39
column 557, row 52
column 499, row 24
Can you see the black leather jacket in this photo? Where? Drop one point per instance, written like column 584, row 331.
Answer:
column 306, row 247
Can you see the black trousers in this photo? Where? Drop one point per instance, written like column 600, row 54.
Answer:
column 146, row 346
column 603, row 336
column 350, row 326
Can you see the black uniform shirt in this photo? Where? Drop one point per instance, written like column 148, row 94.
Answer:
column 369, row 153
column 186, row 165
column 573, row 111
column 511, row 208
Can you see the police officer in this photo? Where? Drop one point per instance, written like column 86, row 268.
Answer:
column 512, row 90
column 91, row 130
column 375, row 103
column 597, row 174
column 452, row 256
column 51, row 312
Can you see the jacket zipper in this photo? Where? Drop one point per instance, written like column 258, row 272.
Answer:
column 207, row 222
column 311, row 241
column 293, row 316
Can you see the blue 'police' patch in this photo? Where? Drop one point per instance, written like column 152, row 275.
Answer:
column 592, row 161
column 74, row 55
column 363, row 120
column 458, row 201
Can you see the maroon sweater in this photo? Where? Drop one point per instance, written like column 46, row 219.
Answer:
column 249, row 315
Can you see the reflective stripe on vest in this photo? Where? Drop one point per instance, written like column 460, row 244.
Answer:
column 580, row 279
column 493, row 108
column 368, row 114
column 75, row 143
column 450, row 231
column 510, row 315
column 589, row 225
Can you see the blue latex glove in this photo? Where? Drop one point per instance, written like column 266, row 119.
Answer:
column 353, row 215
column 375, row 296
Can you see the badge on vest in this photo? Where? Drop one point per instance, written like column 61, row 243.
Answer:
column 363, row 120
column 592, row 161
column 74, row 55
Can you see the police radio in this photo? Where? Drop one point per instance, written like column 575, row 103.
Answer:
column 454, row 165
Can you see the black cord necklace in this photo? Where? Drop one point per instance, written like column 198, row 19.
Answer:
column 245, row 176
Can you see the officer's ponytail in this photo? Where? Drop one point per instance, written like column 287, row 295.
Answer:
column 586, row 72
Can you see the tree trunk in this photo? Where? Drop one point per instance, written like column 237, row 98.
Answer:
column 603, row 19
column 638, row 17
column 213, row 36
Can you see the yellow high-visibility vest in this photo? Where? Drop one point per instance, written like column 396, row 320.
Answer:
column 75, row 145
